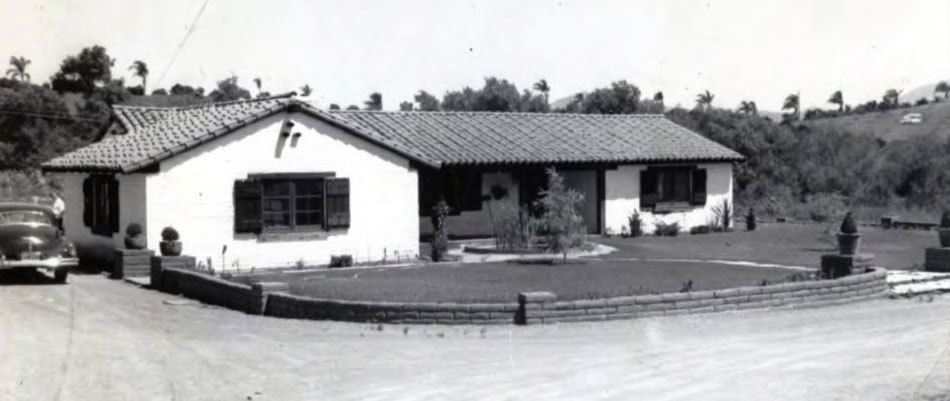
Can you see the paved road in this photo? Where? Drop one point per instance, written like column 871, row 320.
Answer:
column 96, row 339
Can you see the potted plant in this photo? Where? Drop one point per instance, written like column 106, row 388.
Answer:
column 133, row 237
column 170, row 245
column 944, row 230
column 848, row 237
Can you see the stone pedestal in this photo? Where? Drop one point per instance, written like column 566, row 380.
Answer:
column 163, row 262
column 937, row 259
column 835, row 265
column 131, row 262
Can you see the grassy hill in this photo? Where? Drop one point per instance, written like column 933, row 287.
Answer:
column 886, row 125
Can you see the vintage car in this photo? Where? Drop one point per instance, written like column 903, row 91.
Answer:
column 31, row 238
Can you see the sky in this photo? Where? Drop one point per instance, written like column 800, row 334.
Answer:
column 757, row 50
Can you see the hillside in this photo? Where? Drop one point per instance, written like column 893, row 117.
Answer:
column 886, row 125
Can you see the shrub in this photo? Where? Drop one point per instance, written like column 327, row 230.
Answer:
column 723, row 216
column 945, row 219
column 847, row 225
column 635, row 224
column 169, row 234
column 341, row 261
column 702, row 229
column 133, row 230
column 514, row 227
column 750, row 220
column 687, row 286
column 560, row 223
column 440, row 239
column 667, row 230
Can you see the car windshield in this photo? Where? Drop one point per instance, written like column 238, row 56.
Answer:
column 24, row 216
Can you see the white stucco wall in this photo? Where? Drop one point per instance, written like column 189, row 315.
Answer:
column 623, row 197
column 132, row 208
column 193, row 193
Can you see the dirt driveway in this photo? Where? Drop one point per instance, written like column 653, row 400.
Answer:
column 96, row 339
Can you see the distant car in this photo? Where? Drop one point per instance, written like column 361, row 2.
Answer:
column 30, row 238
column 912, row 118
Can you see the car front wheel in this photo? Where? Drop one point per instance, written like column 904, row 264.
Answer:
column 59, row 275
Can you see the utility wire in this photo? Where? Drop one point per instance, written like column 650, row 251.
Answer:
column 194, row 22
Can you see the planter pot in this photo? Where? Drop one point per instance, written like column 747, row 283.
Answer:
column 170, row 248
column 848, row 243
column 944, row 234
column 137, row 242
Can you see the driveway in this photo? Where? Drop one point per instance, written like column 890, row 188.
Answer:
column 97, row 339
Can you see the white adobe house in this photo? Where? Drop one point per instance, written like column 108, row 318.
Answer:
column 275, row 181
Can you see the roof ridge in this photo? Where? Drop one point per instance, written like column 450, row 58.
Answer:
column 285, row 95
column 507, row 113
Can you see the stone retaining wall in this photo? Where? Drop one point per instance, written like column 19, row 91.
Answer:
column 272, row 299
column 543, row 307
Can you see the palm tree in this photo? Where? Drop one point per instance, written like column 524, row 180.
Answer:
column 749, row 107
column 793, row 102
column 305, row 90
column 837, row 98
column 658, row 97
column 942, row 86
column 140, row 69
column 542, row 86
column 19, row 68
column 257, row 83
column 704, row 100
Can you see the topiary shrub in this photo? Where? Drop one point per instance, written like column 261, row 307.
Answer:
column 667, row 230
column 945, row 219
column 133, row 230
column 341, row 261
column 133, row 237
column 635, row 224
column 701, row 229
column 169, row 234
column 750, row 223
column 440, row 238
column 847, row 224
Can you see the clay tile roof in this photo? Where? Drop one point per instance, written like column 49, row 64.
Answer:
column 153, row 134
column 469, row 138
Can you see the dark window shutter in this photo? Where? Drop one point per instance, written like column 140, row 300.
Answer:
column 648, row 189
column 113, row 204
column 247, row 206
column 699, row 187
column 88, row 202
column 338, row 202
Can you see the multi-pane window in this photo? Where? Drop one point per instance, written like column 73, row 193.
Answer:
column 291, row 203
column 672, row 185
column 101, row 204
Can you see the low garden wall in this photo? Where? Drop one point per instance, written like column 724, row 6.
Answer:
column 272, row 299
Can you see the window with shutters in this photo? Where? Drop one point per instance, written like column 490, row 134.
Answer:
column 293, row 203
column 672, row 186
column 101, row 204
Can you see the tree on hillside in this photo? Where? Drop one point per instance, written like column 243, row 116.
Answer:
column 84, row 72
column 352, row 107
column 260, row 93
column 140, row 69
column 793, row 102
column 334, row 106
column 426, row 101
column 943, row 87
column 179, row 89
column 658, row 97
column 305, row 90
column 837, row 98
column 228, row 90
column 375, row 102
column 892, row 97
column 497, row 95
column 748, row 107
column 704, row 100
column 463, row 100
column 405, row 106
column 543, row 87
column 533, row 103
column 621, row 97
column 18, row 69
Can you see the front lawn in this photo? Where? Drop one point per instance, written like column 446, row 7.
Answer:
column 788, row 244
column 502, row 281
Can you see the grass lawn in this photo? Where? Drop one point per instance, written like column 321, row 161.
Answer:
column 790, row 244
column 502, row 281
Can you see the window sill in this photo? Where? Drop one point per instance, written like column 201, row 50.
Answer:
column 673, row 207
column 290, row 236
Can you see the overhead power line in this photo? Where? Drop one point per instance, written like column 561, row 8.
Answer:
column 181, row 44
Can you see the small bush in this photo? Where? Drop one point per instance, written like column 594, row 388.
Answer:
column 687, row 286
column 514, row 227
column 341, row 261
column 723, row 214
column 945, row 219
column 847, row 225
column 440, row 239
column 133, row 230
column 750, row 220
column 635, row 224
column 667, row 230
column 169, row 234
column 703, row 229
